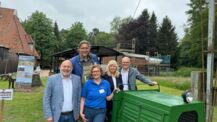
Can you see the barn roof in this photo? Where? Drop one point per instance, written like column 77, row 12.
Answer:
column 13, row 35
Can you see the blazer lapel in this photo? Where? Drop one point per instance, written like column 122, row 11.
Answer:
column 129, row 75
column 61, row 86
column 73, row 88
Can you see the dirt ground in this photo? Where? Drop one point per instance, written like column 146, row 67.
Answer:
column 44, row 73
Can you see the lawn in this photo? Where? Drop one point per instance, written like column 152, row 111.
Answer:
column 27, row 106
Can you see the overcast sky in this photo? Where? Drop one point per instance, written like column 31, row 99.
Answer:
column 99, row 13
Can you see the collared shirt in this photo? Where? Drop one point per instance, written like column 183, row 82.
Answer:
column 124, row 75
column 86, row 64
column 86, row 61
column 95, row 94
column 67, row 93
column 114, row 82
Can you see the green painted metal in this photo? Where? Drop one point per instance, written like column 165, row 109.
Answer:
column 153, row 106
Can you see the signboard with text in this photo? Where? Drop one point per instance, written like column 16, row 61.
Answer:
column 25, row 71
column 6, row 94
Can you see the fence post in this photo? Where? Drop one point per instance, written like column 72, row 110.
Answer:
column 198, row 85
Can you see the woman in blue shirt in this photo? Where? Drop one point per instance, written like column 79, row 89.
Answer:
column 94, row 94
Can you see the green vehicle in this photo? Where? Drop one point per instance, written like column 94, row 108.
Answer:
column 153, row 106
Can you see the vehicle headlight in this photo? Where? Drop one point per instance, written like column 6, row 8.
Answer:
column 187, row 96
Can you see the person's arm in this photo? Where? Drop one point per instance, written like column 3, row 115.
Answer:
column 50, row 119
column 47, row 101
column 79, row 95
column 108, row 98
column 144, row 79
column 109, row 94
column 82, row 100
column 82, row 109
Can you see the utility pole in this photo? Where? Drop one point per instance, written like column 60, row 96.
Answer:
column 210, row 61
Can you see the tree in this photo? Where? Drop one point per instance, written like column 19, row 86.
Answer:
column 41, row 29
column 167, row 40
column 92, row 36
column 105, row 39
column 195, row 34
column 58, row 45
column 137, row 29
column 118, row 22
column 75, row 34
column 153, row 35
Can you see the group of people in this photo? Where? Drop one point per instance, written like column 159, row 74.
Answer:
column 81, row 89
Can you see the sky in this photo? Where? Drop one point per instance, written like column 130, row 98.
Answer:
column 99, row 13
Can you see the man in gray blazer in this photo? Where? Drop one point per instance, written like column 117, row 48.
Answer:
column 129, row 75
column 61, row 99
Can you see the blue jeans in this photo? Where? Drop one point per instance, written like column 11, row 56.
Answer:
column 67, row 118
column 95, row 115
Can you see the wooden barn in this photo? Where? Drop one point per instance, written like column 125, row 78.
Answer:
column 13, row 41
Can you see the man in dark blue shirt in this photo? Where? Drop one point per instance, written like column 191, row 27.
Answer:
column 83, row 61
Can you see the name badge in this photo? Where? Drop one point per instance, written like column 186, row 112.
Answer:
column 101, row 91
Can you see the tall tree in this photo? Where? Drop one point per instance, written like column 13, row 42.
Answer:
column 41, row 29
column 75, row 34
column 142, row 32
column 105, row 39
column 167, row 40
column 118, row 22
column 153, row 35
column 137, row 29
column 196, row 34
column 58, row 45
column 92, row 36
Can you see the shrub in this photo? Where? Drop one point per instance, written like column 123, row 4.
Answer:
column 185, row 71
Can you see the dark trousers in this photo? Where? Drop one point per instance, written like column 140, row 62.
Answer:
column 67, row 117
column 95, row 115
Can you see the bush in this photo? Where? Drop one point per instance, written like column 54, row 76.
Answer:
column 181, row 83
column 185, row 71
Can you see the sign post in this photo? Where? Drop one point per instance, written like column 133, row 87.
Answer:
column 25, row 73
column 5, row 94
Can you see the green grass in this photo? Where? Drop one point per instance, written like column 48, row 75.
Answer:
column 27, row 106
column 181, row 83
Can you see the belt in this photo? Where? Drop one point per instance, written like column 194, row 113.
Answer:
column 66, row 113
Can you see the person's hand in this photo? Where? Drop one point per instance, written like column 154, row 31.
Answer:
column 154, row 83
column 83, row 117
column 116, row 90
column 50, row 119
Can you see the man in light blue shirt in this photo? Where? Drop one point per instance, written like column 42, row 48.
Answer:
column 130, row 75
column 62, row 95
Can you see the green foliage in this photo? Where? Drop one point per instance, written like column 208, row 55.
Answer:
column 118, row 22
column 181, row 72
column 167, row 38
column 41, row 30
column 195, row 39
column 25, row 106
column 151, row 39
column 105, row 39
column 181, row 83
column 92, row 36
column 185, row 71
column 74, row 35
column 153, row 48
column 58, row 45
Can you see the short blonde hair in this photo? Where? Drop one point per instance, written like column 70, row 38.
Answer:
column 112, row 62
